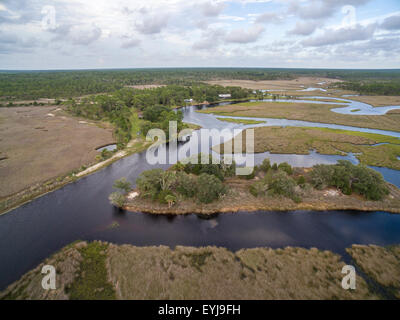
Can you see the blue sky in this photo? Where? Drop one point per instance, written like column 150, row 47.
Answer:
column 74, row 34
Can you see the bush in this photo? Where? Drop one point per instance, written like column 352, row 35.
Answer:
column 210, row 168
column 274, row 167
column 301, row 181
column 162, row 196
column 284, row 166
column 282, row 184
column 178, row 167
column 350, row 178
column 122, row 184
column 229, row 170
column 265, row 165
column 321, row 176
column 148, row 182
column 210, row 188
column 257, row 189
column 117, row 199
column 186, row 184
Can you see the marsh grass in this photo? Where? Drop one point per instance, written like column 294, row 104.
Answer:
column 241, row 121
column 313, row 112
column 381, row 264
column 92, row 282
column 295, row 140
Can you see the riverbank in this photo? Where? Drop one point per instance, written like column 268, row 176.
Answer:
column 101, row 270
column 37, row 190
column 239, row 198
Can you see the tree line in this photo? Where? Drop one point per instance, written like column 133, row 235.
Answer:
column 33, row 85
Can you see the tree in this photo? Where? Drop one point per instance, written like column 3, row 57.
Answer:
column 117, row 199
column 265, row 165
column 148, row 182
column 284, row 166
column 186, row 184
column 171, row 199
column 210, row 188
column 122, row 184
column 282, row 184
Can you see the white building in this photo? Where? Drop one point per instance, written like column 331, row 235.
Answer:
column 224, row 95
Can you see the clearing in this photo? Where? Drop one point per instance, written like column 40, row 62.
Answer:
column 40, row 143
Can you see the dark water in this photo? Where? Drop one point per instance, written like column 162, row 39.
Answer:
column 81, row 210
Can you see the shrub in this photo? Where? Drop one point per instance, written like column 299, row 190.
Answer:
column 321, row 175
column 167, row 180
column 282, row 184
column 162, row 196
column 284, row 166
column 274, row 167
column 186, row 184
column 209, row 168
column 257, row 189
column 301, row 181
column 117, row 199
column 228, row 170
column 105, row 154
column 122, row 184
column 170, row 199
column 368, row 183
column 265, row 165
column 148, row 182
column 179, row 166
column 350, row 178
column 209, row 188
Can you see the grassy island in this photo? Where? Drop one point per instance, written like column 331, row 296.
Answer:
column 101, row 270
column 369, row 148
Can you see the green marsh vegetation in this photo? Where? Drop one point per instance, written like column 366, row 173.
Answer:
column 369, row 148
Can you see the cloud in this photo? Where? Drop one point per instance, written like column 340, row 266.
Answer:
column 391, row 23
column 342, row 35
column 319, row 9
column 131, row 43
column 210, row 39
column 85, row 36
column 152, row 24
column 269, row 17
column 245, row 36
column 304, row 28
column 11, row 43
column 212, row 9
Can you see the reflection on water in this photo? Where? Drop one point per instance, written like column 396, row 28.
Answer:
column 110, row 147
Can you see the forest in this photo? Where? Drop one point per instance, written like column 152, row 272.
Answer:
column 155, row 107
column 31, row 85
column 384, row 88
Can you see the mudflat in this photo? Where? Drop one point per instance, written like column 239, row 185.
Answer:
column 40, row 143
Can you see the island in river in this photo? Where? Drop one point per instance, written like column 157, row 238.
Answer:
column 101, row 270
column 212, row 188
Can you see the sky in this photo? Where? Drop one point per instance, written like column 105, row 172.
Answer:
column 86, row 34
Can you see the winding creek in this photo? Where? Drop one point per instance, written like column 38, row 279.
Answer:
column 81, row 210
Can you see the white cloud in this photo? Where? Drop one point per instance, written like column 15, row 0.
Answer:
column 343, row 35
column 245, row 35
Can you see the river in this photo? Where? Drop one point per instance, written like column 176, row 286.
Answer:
column 81, row 211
